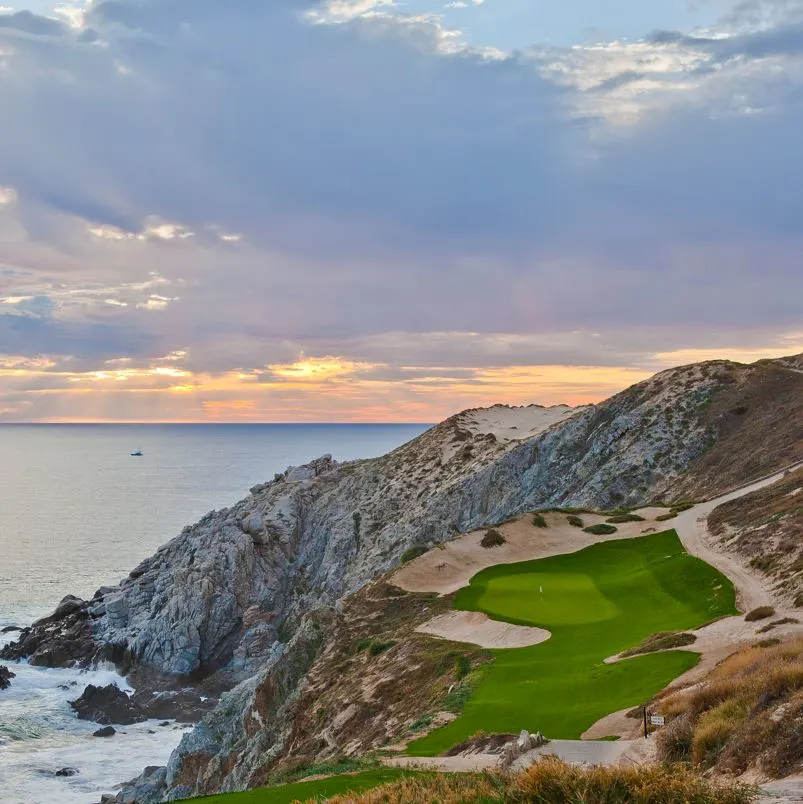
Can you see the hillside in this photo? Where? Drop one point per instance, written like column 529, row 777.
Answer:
column 252, row 595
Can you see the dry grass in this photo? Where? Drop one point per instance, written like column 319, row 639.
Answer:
column 661, row 641
column 492, row 538
column 749, row 712
column 552, row 781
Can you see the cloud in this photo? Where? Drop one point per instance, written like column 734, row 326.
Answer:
column 342, row 190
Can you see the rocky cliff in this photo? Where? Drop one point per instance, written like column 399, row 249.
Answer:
column 244, row 596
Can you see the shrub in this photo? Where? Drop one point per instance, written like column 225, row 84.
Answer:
column 492, row 538
column 762, row 563
column 462, row 667
column 413, row 552
column 539, row 521
column 575, row 521
column 376, row 647
column 761, row 613
column 600, row 530
column 622, row 518
column 680, row 507
column 666, row 517
column 661, row 641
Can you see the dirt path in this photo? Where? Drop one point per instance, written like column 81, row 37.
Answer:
column 692, row 528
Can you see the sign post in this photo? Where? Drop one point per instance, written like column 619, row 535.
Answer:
column 644, row 710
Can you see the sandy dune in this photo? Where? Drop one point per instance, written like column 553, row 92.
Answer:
column 478, row 629
column 515, row 423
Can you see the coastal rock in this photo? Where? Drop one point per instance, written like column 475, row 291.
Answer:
column 10, row 629
column 5, row 677
column 106, row 731
column 185, row 705
column 106, row 705
column 67, row 772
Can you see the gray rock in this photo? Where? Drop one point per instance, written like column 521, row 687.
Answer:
column 67, row 772
column 106, row 731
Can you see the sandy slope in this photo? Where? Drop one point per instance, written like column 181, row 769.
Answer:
column 515, row 423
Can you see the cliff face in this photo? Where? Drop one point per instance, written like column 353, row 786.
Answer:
column 228, row 599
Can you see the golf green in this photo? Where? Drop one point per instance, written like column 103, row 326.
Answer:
column 596, row 603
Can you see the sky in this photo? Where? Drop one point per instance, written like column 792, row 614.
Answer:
column 366, row 210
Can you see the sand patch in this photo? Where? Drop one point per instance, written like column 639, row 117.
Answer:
column 449, row 567
column 515, row 423
column 477, row 628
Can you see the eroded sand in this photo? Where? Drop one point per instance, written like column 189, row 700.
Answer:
column 515, row 423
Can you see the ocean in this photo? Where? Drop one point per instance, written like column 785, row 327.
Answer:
column 77, row 511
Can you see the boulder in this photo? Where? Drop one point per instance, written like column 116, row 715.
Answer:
column 184, row 705
column 67, row 772
column 106, row 731
column 10, row 629
column 5, row 677
column 106, row 705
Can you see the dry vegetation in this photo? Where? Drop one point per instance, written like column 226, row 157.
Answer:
column 377, row 681
column 662, row 641
column 747, row 715
column 766, row 527
column 756, row 421
column 552, row 781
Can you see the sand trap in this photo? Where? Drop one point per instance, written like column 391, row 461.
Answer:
column 451, row 566
column 476, row 628
column 515, row 424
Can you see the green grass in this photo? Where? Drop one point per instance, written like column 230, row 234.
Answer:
column 596, row 603
column 315, row 789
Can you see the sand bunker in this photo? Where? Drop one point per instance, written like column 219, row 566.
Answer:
column 476, row 628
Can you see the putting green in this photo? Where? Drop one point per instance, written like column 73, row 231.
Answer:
column 597, row 602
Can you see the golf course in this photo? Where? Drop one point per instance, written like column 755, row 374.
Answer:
column 596, row 603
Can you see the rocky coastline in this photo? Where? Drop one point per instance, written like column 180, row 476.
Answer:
column 222, row 624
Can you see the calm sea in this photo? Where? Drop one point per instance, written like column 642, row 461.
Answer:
column 77, row 511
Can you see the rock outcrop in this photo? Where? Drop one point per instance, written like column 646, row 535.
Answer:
column 106, row 705
column 228, row 602
column 5, row 677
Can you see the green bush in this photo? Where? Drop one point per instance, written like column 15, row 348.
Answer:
column 462, row 667
column 413, row 552
column 539, row 521
column 575, row 521
column 600, row 530
column 666, row 517
column 622, row 518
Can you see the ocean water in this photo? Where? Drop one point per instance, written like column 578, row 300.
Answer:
column 77, row 511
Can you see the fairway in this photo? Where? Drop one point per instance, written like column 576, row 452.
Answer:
column 313, row 789
column 596, row 602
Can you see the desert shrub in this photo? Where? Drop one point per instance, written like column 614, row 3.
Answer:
column 462, row 667
column 768, row 643
column 600, row 530
column 661, row 641
column 666, row 517
column 761, row 613
column 413, row 552
column 539, row 521
column 376, row 647
column 680, row 507
column 575, row 521
column 762, row 563
column 373, row 646
column 675, row 739
column 622, row 518
column 492, row 538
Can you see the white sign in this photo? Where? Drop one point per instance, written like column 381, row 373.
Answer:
column 657, row 720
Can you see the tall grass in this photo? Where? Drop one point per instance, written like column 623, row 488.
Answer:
column 729, row 720
column 552, row 781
